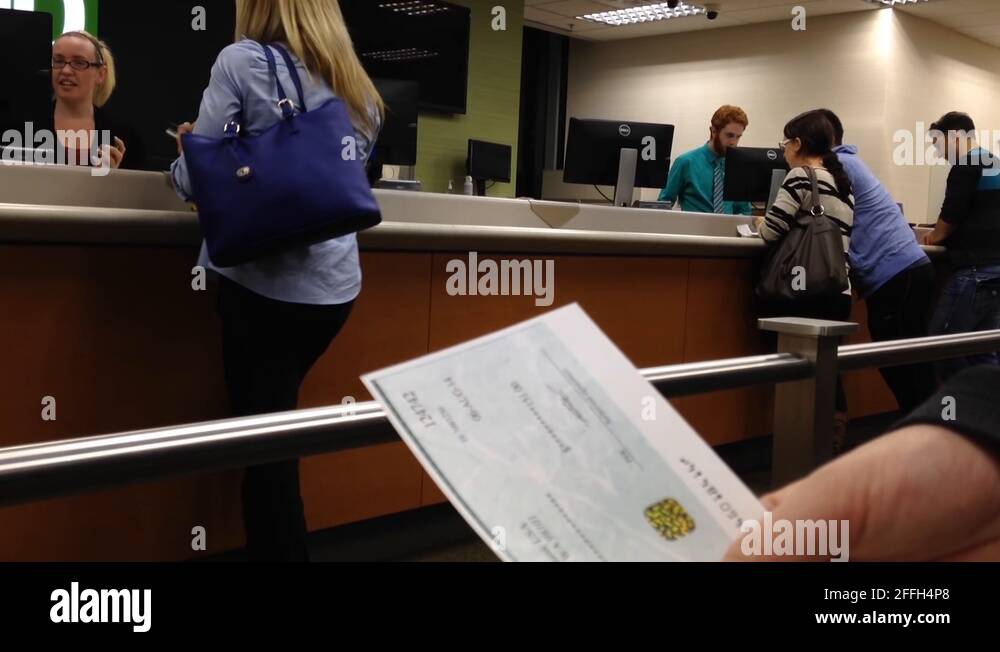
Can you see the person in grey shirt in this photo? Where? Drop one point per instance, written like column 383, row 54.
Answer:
column 281, row 311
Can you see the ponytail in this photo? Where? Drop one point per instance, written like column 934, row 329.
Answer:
column 832, row 163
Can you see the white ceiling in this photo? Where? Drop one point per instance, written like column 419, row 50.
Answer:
column 976, row 18
column 979, row 19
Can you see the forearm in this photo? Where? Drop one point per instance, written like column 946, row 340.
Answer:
column 940, row 233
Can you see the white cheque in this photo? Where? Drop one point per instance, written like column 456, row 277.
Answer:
column 553, row 447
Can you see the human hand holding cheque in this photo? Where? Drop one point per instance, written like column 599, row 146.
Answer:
column 554, row 448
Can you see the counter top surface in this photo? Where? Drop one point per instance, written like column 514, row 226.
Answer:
column 70, row 206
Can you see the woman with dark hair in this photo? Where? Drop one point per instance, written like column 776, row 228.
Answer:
column 808, row 145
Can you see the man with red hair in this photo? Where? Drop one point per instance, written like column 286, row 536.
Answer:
column 696, row 177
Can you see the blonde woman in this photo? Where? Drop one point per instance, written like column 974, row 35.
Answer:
column 280, row 312
column 83, row 80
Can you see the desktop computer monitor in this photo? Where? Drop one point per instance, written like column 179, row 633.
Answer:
column 752, row 173
column 487, row 162
column 594, row 152
column 397, row 140
column 26, row 92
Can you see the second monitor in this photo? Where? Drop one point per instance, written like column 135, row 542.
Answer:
column 26, row 92
column 397, row 140
column 487, row 162
column 753, row 174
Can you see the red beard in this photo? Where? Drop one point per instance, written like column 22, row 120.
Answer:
column 717, row 145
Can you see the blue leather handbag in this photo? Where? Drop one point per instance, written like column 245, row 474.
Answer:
column 299, row 182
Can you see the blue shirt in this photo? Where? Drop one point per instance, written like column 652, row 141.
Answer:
column 325, row 273
column 882, row 243
column 692, row 178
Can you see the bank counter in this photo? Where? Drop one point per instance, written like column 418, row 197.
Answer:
column 99, row 313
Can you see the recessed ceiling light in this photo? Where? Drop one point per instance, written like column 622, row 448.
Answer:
column 645, row 14
column 401, row 54
column 415, row 7
column 893, row 3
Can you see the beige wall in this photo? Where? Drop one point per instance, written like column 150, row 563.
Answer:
column 872, row 67
column 936, row 70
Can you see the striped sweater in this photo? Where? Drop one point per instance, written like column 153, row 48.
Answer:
column 795, row 193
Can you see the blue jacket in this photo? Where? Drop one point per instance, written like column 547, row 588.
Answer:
column 882, row 243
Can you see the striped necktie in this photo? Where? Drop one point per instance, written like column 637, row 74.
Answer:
column 717, row 204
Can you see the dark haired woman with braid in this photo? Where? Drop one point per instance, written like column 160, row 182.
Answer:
column 808, row 143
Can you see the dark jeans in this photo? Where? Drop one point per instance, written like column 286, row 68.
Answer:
column 268, row 347
column 970, row 301
column 836, row 308
column 900, row 309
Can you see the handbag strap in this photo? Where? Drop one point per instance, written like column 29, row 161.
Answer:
column 294, row 72
column 816, row 201
column 287, row 108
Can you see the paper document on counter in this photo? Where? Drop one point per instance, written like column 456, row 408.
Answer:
column 552, row 446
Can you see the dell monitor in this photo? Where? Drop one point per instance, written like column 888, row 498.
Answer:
column 487, row 162
column 750, row 172
column 397, row 140
column 594, row 154
column 26, row 94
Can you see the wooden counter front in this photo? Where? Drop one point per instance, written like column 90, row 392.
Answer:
column 121, row 341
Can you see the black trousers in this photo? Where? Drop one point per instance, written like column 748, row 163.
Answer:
column 268, row 347
column 901, row 309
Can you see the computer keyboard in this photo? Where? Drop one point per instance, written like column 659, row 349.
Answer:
column 661, row 205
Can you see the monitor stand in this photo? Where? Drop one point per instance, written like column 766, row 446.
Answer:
column 777, row 180
column 628, row 159
column 405, row 181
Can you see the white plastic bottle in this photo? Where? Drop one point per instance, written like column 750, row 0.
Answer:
column 469, row 187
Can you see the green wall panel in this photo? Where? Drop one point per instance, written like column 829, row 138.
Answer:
column 57, row 9
column 493, row 102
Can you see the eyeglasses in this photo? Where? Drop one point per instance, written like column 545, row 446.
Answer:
column 75, row 64
column 781, row 145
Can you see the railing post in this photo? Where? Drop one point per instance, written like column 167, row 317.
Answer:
column 804, row 409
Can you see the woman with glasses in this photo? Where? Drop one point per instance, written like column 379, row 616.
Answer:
column 808, row 144
column 83, row 79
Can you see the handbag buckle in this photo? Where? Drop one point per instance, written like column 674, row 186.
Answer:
column 287, row 107
column 244, row 173
column 232, row 128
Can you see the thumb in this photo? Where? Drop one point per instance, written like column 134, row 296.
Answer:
column 896, row 498
column 771, row 502
column 830, row 494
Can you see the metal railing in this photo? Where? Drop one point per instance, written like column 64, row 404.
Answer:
column 804, row 370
